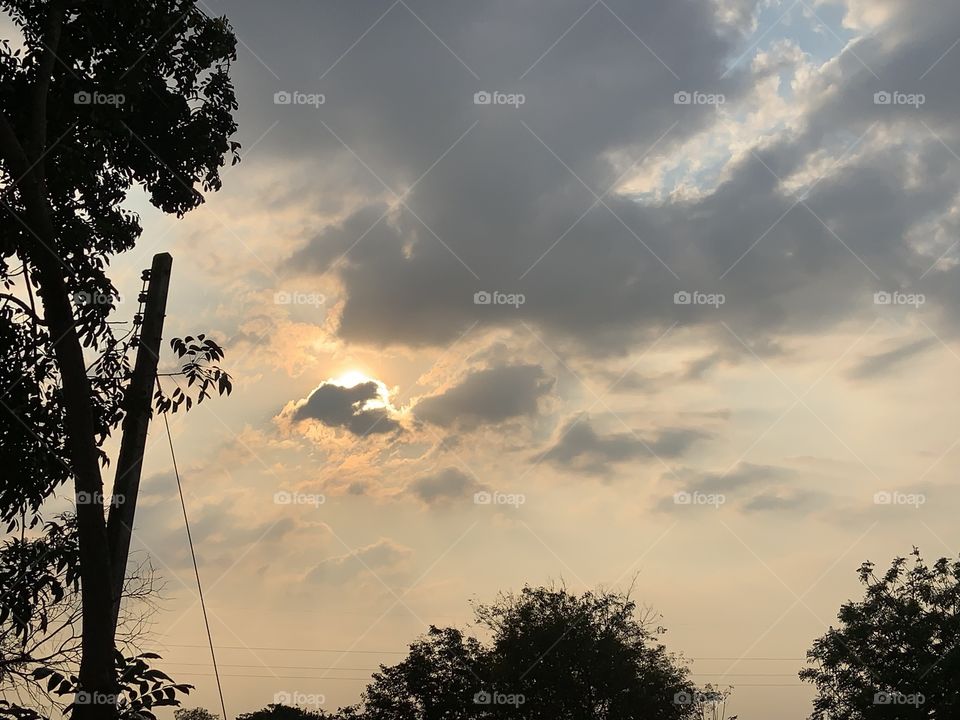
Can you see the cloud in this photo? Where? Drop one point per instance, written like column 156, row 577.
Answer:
column 797, row 501
column 696, row 369
column 228, row 523
column 580, row 447
column 448, row 485
column 743, row 475
column 508, row 203
column 747, row 486
column 382, row 557
column 485, row 397
column 500, row 198
column 882, row 363
column 487, row 202
column 348, row 408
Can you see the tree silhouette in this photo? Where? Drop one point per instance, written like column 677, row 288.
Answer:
column 194, row 714
column 439, row 678
column 552, row 655
column 278, row 711
column 895, row 653
column 102, row 96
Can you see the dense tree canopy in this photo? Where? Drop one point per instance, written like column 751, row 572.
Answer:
column 896, row 652
column 96, row 97
column 103, row 96
column 194, row 714
column 278, row 711
column 551, row 655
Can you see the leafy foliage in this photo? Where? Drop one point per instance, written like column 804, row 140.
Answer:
column 194, row 714
column 276, row 711
column 441, row 675
column 32, row 435
column 35, row 576
column 40, row 612
column 553, row 655
column 15, row 712
column 896, row 653
column 139, row 95
column 142, row 688
column 96, row 98
column 199, row 356
column 712, row 700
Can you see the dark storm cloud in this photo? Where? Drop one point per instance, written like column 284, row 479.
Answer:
column 448, row 485
column 487, row 396
column 485, row 212
column 343, row 407
column 509, row 198
column 882, row 363
column 579, row 446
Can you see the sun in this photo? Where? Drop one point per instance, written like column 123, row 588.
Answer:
column 352, row 378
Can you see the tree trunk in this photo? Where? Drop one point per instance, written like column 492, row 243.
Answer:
column 97, row 669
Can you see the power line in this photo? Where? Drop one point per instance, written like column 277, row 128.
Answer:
column 755, row 658
column 277, row 677
column 404, row 652
column 723, row 675
column 289, row 649
column 377, row 669
column 366, row 679
column 279, row 667
column 196, row 570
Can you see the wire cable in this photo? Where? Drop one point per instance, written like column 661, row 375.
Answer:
column 196, row 570
column 300, row 649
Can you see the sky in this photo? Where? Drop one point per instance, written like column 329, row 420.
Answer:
column 659, row 294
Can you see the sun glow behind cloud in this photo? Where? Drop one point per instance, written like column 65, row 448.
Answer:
column 352, row 378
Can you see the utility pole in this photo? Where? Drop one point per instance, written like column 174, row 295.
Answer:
column 137, row 406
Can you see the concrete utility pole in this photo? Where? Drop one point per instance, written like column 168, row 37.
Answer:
column 137, row 405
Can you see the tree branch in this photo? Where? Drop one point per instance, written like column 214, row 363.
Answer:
column 23, row 306
column 41, row 91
